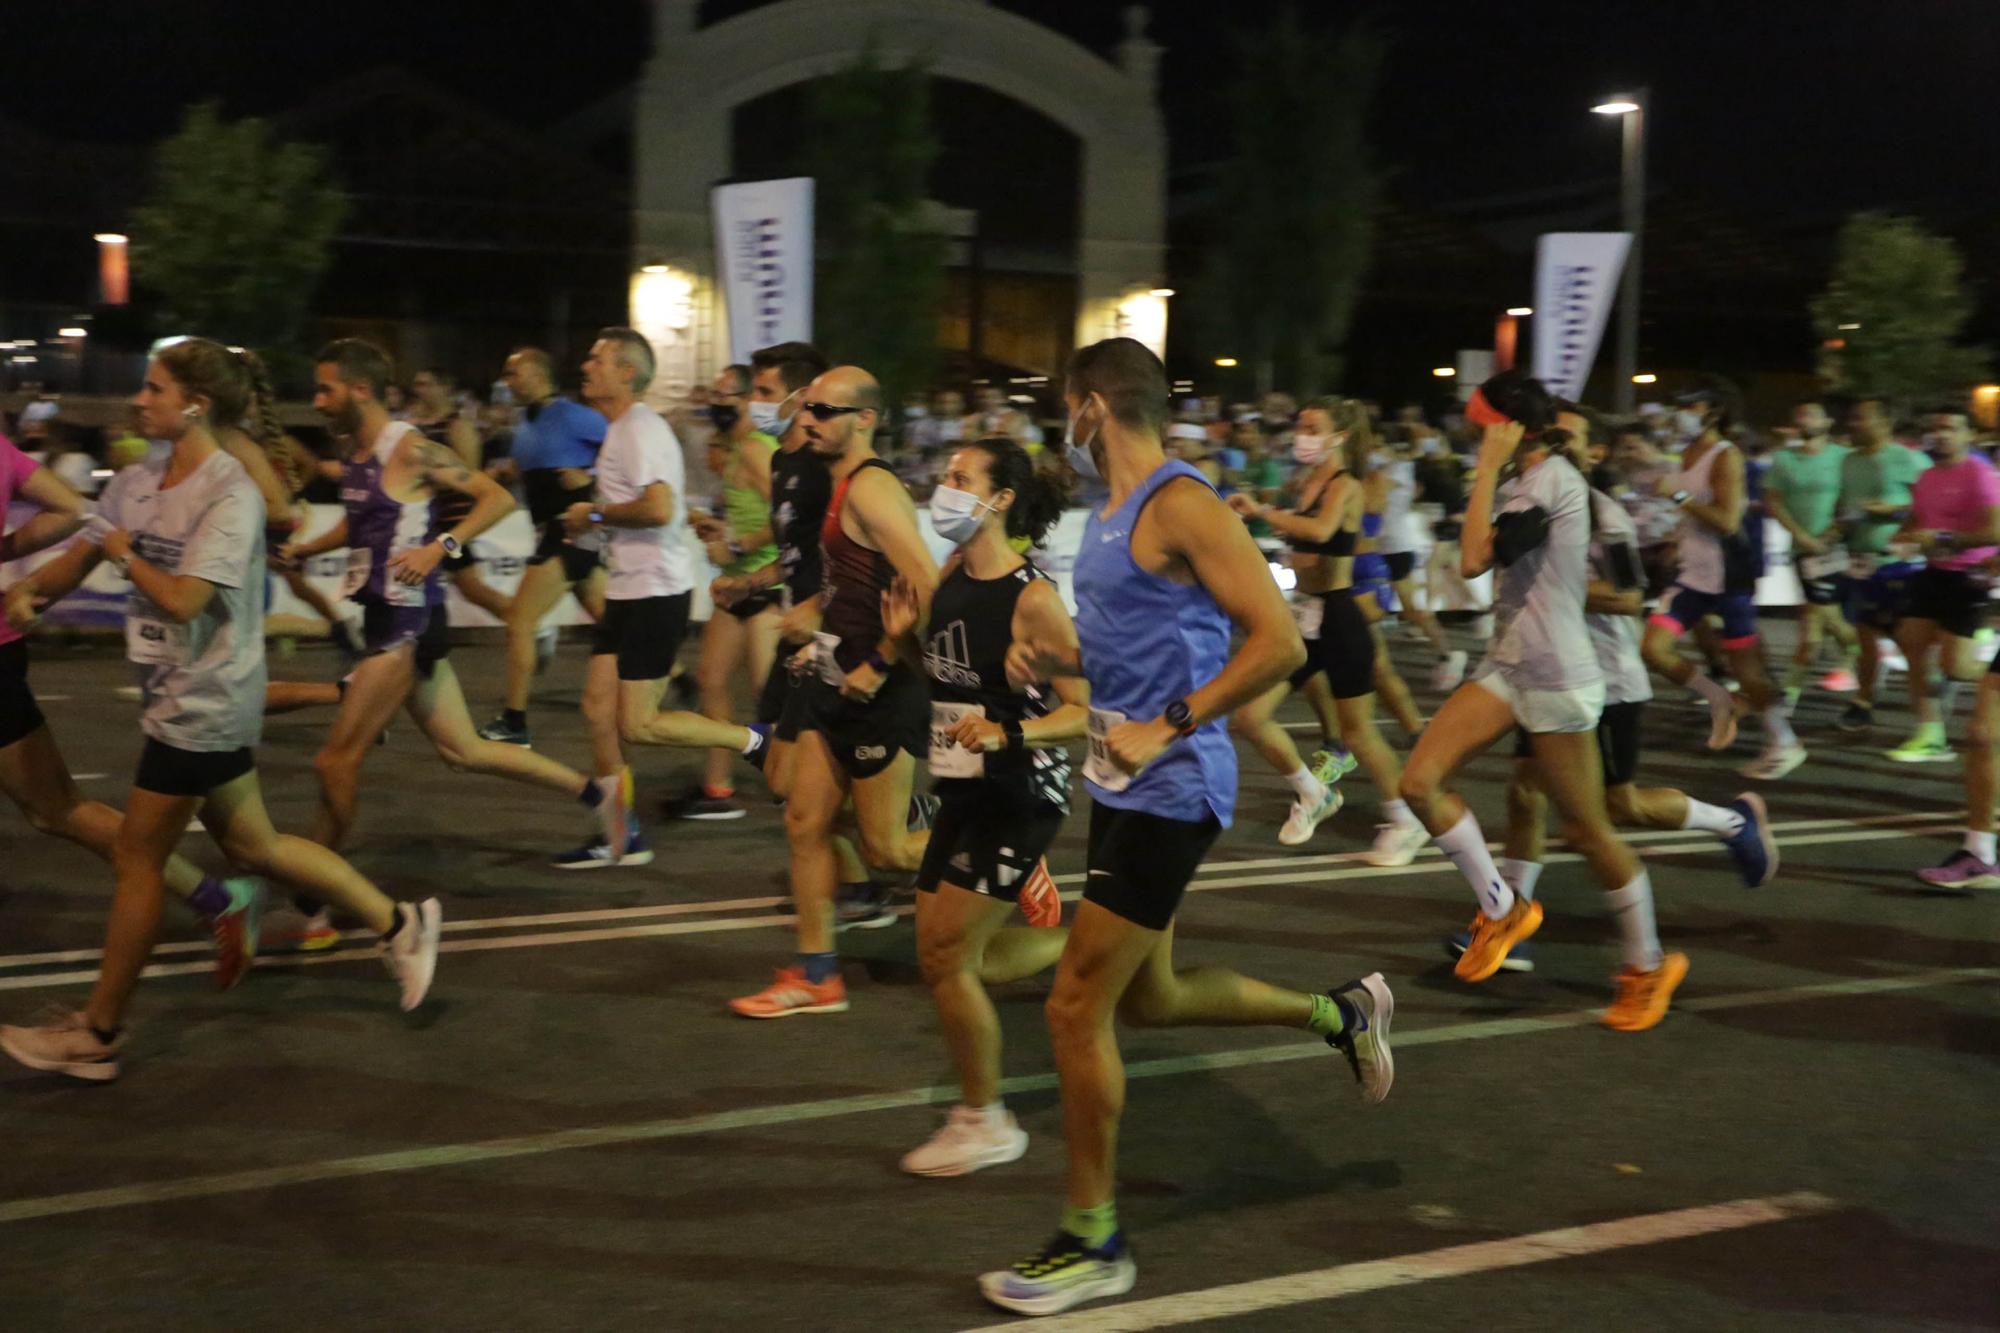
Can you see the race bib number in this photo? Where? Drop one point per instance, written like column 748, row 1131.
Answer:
column 360, row 560
column 949, row 759
column 1097, row 767
column 1822, row 566
column 1308, row 611
column 152, row 640
column 829, row 669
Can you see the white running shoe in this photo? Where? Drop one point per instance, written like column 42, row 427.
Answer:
column 1450, row 672
column 1776, row 761
column 968, row 1141
column 1299, row 825
column 62, row 1043
column 412, row 954
column 1397, row 844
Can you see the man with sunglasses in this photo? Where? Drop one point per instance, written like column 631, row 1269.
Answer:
column 862, row 713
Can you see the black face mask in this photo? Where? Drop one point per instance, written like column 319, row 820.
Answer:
column 725, row 416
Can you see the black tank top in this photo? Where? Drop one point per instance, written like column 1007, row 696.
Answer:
column 855, row 580
column 800, row 490
column 972, row 626
column 1341, row 543
column 448, row 507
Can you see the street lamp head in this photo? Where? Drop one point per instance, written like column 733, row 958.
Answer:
column 1616, row 106
column 1226, row 362
column 1163, row 292
column 1520, row 311
column 109, row 238
column 1444, row 372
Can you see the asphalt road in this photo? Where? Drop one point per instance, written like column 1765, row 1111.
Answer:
column 575, row 1134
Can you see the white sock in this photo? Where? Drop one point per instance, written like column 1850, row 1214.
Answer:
column 1632, row 908
column 1304, row 785
column 1777, row 727
column 1466, row 846
column 1397, row 812
column 1712, row 819
column 1521, row 876
column 751, row 740
column 1980, row 845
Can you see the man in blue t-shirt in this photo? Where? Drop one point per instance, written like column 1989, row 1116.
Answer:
column 555, row 450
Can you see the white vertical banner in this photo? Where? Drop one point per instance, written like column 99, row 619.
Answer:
column 764, row 252
column 1576, row 278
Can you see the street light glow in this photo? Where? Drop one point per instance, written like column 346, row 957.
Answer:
column 1520, row 311
column 1163, row 292
column 109, row 238
column 1444, row 372
column 72, row 331
column 1617, row 106
column 654, row 268
column 1849, row 328
column 1226, row 362
column 1645, row 379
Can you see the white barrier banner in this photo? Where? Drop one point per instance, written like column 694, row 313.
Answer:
column 1576, row 277
column 764, row 254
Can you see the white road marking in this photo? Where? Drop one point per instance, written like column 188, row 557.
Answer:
column 1245, row 1298
column 757, row 1117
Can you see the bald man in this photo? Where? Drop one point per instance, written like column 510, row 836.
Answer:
column 863, row 709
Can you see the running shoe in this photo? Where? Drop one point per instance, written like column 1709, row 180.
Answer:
column 699, row 803
column 1752, row 847
column 1493, row 940
column 499, row 729
column 1366, row 1042
column 1064, row 1273
column 1450, row 672
column 863, row 906
column 923, row 811
column 1642, row 997
column 1856, row 717
column 1776, row 761
column 790, row 993
column 294, row 929
column 968, row 1141
column 760, row 750
column 597, row 855
column 1330, row 766
column 1839, row 681
column 1304, row 818
column 1922, row 748
column 1397, row 843
column 1039, row 899
column 62, row 1043
column 411, row 954
column 1961, row 870
column 235, row 931
column 1521, row 958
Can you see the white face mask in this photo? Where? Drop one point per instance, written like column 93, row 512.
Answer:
column 1309, row 449
column 955, row 514
column 1688, row 424
column 1077, row 452
column 765, row 417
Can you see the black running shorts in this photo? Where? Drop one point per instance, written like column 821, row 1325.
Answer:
column 1952, row 599
column 385, row 628
column 1400, row 564
column 554, row 544
column 20, row 716
column 1141, row 864
column 1344, row 650
column 644, row 633
column 169, row 771
column 986, row 839
column 865, row 737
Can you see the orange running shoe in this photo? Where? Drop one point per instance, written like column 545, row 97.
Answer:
column 1491, row 940
column 1643, row 996
column 1041, row 902
column 790, row 993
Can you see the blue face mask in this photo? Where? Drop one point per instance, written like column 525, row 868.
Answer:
column 1078, row 455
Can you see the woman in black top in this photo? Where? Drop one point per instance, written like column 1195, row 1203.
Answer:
column 1000, row 770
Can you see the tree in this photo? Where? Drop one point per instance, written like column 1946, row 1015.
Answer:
column 1294, row 213
column 1889, row 319
column 236, row 231
column 880, row 274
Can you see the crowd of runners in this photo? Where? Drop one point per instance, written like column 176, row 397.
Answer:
column 867, row 660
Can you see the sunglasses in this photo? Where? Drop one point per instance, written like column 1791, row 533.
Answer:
column 828, row 411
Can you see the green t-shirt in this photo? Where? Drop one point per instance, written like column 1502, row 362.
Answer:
column 1885, row 476
column 1809, row 484
column 749, row 511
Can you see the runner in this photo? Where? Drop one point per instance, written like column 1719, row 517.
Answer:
column 1392, row 485
column 395, row 544
column 1875, row 481
column 1322, row 531
column 1954, row 521
column 32, row 771
column 434, row 412
column 1717, row 575
column 187, row 528
column 864, row 718
column 1000, row 770
column 554, row 448
column 1163, row 574
column 1801, row 493
column 1541, row 675
column 1372, row 595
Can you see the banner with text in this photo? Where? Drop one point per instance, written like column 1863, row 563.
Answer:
column 764, row 254
column 1576, row 277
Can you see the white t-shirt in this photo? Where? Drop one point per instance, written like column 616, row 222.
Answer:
column 202, row 683
column 640, row 449
column 1539, row 638
column 1399, row 532
column 1616, row 638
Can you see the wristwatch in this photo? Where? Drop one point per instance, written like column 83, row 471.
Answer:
column 1181, row 717
column 879, row 662
column 451, row 546
column 597, row 516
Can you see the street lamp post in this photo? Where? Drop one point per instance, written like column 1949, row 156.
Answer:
column 1632, row 197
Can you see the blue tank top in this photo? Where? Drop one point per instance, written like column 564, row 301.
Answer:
column 380, row 528
column 1371, row 566
column 1146, row 642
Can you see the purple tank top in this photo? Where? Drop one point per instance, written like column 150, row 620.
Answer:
column 379, row 528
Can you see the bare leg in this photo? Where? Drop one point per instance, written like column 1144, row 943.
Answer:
column 1253, row 723
column 1917, row 639
column 882, row 817
column 35, row 778
column 438, row 706
column 1568, row 768
column 321, row 604
column 1471, row 720
column 1527, row 815
column 542, row 586
column 1359, row 733
column 953, row 927
column 289, row 696
column 152, row 827
column 375, row 690
column 1319, row 694
column 476, row 590
column 235, row 817
column 1981, row 777
column 818, row 790
column 724, row 643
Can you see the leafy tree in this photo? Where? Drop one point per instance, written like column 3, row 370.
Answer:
column 1889, row 320
column 236, row 231
column 880, row 276
column 1294, row 211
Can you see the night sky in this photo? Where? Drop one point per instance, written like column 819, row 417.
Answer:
column 1782, row 107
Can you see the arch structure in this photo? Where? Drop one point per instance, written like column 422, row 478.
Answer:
column 698, row 75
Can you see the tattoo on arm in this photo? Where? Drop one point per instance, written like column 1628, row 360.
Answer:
column 441, row 466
